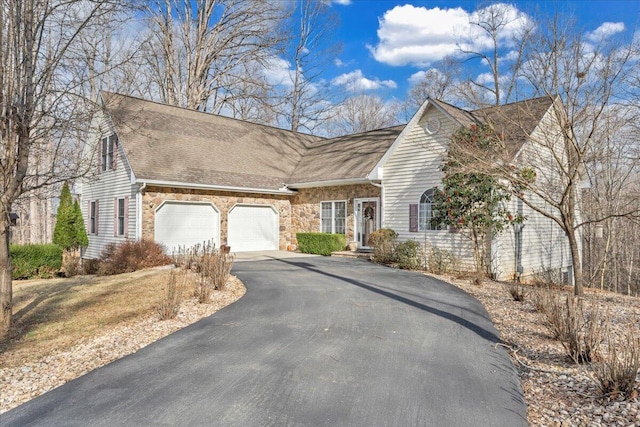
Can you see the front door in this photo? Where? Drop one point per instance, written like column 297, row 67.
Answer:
column 367, row 218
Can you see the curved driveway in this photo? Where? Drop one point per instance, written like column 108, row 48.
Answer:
column 315, row 342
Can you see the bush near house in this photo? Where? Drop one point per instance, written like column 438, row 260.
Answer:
column 409, row 255
column 383, row 242
column 321, row 243
column 131, row 256
column 35, row 261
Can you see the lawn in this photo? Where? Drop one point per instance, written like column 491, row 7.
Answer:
column 52, row 315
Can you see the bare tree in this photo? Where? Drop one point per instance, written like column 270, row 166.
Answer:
column 611, row 253
column 252, row 96
column 41, row 107
column 506, row 32
column 584, row 77
column 200, row 47
column 362, row 113
column 434, row 83
column 311, row 47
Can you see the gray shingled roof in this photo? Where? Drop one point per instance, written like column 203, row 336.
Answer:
column 172, row 144
column 465, row 118
column 514, row 121
column 346, row 157
column 168, row 143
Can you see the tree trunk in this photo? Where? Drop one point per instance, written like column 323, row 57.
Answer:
column 6, row 297
column 577, row 265
column 605, row 256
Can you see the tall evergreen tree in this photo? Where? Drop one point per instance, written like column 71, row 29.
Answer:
column 80, row 232
column 69, row 232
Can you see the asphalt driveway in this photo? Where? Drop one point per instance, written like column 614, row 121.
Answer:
column 315, row 342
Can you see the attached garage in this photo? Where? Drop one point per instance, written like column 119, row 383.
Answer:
column 253, row 228
column 186, row 224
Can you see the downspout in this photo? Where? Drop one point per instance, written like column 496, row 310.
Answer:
column 139, row 195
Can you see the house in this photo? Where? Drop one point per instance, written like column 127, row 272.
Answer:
column 181, row 177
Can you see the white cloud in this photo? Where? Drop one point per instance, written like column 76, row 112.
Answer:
column 340, row 2
column 420, row 36
column 421, row 75
column 278, row 71
column 605, row 30
column 338, row 62
column 356, row 81
column 417, row 77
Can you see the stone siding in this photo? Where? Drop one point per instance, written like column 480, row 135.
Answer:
column 305, row 206
column 223, row 201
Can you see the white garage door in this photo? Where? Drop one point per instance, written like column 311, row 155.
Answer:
column 186, row 224
column 253, row 228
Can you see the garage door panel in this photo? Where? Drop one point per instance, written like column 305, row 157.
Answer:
column 253, row 228
column 186, row 224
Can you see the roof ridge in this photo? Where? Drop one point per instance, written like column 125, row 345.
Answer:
column 330, row 140
column 162, row 104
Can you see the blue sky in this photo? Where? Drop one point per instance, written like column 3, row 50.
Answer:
column 385, row 43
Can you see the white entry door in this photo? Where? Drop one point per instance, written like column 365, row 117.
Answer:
column 253, row 228
column 367, row 220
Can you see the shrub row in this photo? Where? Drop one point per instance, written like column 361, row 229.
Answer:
column 321, row 243
column 35, row 261
column 210, row 266
column 409, row 255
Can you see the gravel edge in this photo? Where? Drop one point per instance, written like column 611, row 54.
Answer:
column 22, row 383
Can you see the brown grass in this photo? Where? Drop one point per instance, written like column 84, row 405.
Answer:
column 52, row 315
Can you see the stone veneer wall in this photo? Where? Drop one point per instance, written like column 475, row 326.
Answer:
column 305, row 206
column 223, row 201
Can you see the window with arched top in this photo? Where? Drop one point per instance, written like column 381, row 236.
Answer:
column 425, row 211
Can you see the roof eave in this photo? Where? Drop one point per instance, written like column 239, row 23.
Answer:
column 190, row 185
column 329, row 183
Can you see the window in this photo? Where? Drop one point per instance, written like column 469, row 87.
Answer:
column 426, row 212
column 93, row 217
column 107, row 152
column 120, row 219
column 333, row 217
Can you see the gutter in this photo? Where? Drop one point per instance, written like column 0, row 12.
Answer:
column 330, row 183
column 282, row 191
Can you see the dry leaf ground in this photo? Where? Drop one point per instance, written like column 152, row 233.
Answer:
column 557, row 391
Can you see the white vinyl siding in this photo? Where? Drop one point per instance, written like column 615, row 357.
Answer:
column 415, row 166
column 106, row 187
column 545, row 246
column 333, row 217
